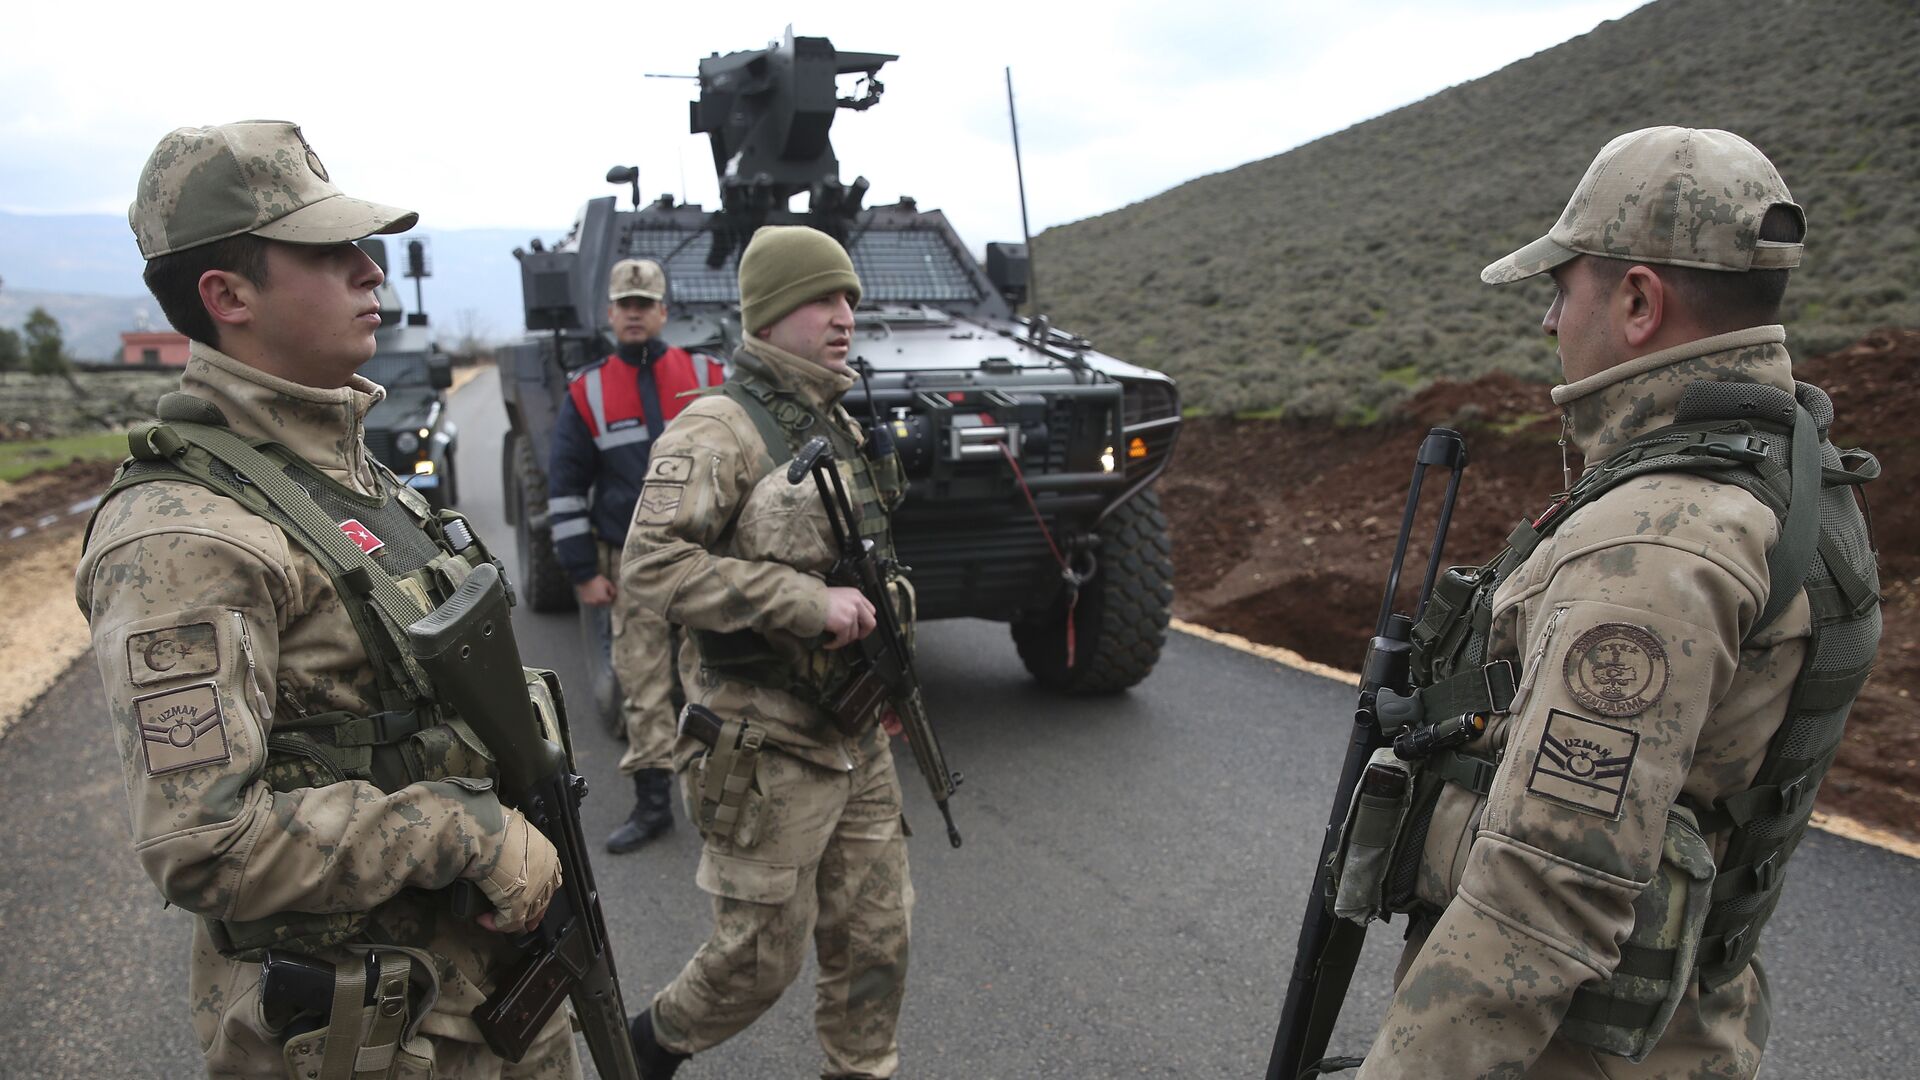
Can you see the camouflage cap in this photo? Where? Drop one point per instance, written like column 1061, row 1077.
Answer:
column 637, row 277
column 1682, row 196
column 255, row 176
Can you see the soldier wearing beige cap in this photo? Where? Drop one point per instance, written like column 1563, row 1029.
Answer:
column 294, row 784
column 601, row 446
column 798, row 808
column 1666, row 656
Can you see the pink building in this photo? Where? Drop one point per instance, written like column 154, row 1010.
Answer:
column 149, row 347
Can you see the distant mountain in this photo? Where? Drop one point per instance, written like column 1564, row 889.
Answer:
column 86, row 270
column 1333, row 279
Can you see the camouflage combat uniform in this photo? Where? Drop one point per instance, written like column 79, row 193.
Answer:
column 1539, row 878
column 201, row 608
column 826, row 856
column 1651, row 686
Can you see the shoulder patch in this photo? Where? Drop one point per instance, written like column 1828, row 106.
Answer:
column 658, row 503
column 1583, row 763
column 1616, row 669
column 671, row 469
column 181, row 729
column 173, row 653
column 666, row 486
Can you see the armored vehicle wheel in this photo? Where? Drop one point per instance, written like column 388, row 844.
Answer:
column 542, row 581
column 1121, row 620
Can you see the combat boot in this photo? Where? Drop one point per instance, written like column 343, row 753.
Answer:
column 652, row 811
column 656, row 1062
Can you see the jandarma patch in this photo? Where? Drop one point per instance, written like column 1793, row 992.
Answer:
column 181, row 729
column 1617, row 669
column 174, row 653
column 1583, row 763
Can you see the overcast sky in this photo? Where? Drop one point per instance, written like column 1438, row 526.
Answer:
column 509, row 115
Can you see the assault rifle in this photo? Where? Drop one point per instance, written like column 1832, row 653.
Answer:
column 883, row 662
column 466, row 647
column 1329, row 947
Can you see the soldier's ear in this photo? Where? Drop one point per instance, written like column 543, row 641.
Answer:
column 229, row 298
column 1641, row 305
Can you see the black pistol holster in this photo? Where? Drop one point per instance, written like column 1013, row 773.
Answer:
column 352, row 1021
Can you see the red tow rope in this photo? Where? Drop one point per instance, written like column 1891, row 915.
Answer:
column 1066, row 570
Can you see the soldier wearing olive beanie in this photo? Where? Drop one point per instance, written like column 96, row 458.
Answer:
column 785, row 266
column 799, row 810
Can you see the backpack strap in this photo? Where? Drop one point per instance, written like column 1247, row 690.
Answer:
column 1792, row 554
column 748, row 395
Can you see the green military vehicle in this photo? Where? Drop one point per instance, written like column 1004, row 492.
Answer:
column 1031, row 455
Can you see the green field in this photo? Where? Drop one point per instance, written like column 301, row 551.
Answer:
column 1332, row 281
column 22, row 459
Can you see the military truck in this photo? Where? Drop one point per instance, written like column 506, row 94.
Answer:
column 410, row 431
column 1031, row 455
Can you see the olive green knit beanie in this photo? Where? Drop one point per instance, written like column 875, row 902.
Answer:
column 785, row 266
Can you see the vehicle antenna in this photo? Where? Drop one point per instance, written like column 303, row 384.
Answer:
column 1026, row 234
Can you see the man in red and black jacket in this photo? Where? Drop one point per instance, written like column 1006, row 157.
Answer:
column 600, row 450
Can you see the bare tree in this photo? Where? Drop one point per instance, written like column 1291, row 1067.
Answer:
column 473, row 337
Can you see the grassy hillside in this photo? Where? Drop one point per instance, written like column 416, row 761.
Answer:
column 1333, row 280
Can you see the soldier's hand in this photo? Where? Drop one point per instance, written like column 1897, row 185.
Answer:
column 849, row 616
column 598, row 591
column 521, row 880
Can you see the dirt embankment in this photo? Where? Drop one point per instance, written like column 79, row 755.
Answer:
column 1283, row 533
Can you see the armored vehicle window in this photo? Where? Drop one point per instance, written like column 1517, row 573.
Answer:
column 895, row 266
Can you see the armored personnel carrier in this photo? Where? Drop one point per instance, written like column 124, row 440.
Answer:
column 410, row 431
column 1031, row 455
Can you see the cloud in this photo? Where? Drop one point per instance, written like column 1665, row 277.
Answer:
column 513, row 122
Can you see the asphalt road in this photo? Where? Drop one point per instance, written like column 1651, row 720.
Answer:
column 1125, row 905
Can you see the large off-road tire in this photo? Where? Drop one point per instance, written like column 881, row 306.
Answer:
column 542, row 581
column 1120, row 622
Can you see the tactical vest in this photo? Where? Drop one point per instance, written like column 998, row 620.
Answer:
column 1775, row 447
column 391, row 560
column 785, row 424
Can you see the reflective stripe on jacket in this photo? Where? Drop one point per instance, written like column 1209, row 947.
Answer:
column 601, row 444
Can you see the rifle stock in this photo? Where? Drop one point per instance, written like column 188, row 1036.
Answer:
column 467, row 647
column 1329, row 947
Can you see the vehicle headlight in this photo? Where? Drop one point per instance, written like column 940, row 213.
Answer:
column 406, row 442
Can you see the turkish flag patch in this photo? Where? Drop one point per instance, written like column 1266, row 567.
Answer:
column 362, row 535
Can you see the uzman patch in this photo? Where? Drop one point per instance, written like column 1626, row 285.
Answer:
column 1583, row 763
column 658, row 501
column 181, row 729
column 1617, row 669
column 174, row 653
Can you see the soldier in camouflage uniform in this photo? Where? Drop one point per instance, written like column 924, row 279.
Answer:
column 1650, row 686
column 237, row 680
column 724, row 545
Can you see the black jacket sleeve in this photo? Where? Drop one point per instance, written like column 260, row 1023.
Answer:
column 570, row 473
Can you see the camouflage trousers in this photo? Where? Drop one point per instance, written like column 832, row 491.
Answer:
column 644, row 645
column 828, row 863
column 236, row 1044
